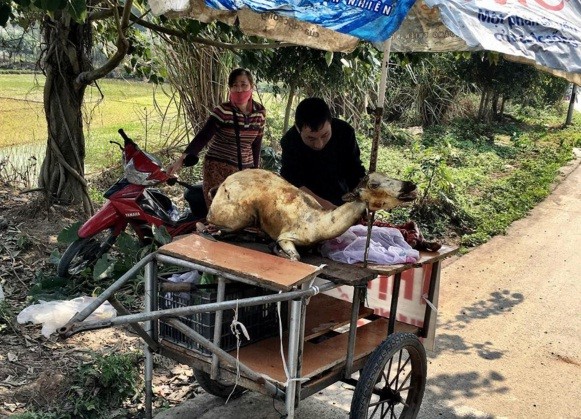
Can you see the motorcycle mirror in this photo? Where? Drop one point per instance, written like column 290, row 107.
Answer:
column 115, row 142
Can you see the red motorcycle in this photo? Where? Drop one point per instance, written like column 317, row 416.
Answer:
column 132, row 201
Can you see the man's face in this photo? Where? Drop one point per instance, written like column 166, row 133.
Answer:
column 317, row 140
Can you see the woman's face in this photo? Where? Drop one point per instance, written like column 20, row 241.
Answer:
column 241, row 84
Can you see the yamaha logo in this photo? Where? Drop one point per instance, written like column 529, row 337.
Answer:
column 132, row 214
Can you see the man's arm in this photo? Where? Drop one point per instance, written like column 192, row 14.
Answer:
column 355, row 170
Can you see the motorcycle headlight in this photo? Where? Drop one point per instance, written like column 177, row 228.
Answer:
column 136, row 177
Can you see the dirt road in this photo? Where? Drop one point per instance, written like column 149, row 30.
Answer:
column 509, row 320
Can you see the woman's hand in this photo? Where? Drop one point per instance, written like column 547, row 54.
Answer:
column 175, row 167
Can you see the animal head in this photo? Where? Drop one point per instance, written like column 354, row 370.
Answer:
column 381, row 192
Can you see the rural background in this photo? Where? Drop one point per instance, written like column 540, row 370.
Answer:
column 485, row 139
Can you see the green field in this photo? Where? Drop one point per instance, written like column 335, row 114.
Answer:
column 134, row 106
column 143, row 110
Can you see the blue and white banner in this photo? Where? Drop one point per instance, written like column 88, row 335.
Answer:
column 372, row 20
column 545, row 31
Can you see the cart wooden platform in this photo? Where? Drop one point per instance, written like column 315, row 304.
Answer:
column 324, row 339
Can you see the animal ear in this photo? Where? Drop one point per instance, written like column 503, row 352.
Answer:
column 373, row 184
column 363, row 182
column 349, row 197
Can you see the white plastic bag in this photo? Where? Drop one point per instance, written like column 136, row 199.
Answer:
column 55, row 314
column 191, row 277
column 387, row 246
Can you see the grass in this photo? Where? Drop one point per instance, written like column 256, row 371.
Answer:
column 124, row 104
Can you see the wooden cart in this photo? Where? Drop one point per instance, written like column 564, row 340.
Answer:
column 324, row 339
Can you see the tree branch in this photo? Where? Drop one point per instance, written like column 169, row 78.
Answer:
column 103, row 14
column 122, row 23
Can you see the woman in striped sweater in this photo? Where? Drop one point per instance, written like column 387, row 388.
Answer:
column 233, row 134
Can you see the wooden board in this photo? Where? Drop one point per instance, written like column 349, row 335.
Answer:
column 263, row 268
column 264, row 356
column 425, row 258
column 326, row 313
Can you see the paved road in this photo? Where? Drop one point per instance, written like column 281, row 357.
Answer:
column 508, row 343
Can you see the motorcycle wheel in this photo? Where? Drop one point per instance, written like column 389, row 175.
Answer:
column 83, row 253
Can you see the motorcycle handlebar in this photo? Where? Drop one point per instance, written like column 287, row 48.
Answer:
column 123, row 135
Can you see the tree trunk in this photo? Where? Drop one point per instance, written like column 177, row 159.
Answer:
column 482, row 104
column 62, row 172
column 287, row 111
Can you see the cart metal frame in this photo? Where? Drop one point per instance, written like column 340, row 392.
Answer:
column 223, row 365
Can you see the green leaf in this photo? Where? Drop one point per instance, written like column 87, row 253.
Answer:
column 54, row 257
column 51, row 5
column 127, row 245
column 103, row 268
column 69, row 234
column 78, row 10
column 329, row 58
column 161, row 235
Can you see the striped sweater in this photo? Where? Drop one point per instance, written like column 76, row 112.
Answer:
column 220, row 136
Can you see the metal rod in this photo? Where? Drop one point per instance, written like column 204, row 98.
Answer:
column 431, row 292
column 202, row 308
column 120, row 308
column 218, row 326
column 394, row 298
column 358, row 296
column 370, row 218
column 150, row 275
column 298, row 397
column 293, row 354
column 104, row 296
column 380, row 103
column 226, row 358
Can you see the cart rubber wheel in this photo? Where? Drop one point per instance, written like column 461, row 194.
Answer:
column 393, row 380
column 217, row 388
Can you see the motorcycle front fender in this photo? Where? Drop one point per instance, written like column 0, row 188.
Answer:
column 107, row 217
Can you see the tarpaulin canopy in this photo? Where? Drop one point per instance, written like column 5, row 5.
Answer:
column 544, row 32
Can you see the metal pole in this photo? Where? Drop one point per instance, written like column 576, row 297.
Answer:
column 72, row 328
column 571, row 104
column 218, row 326
column 150, row 275
column 293, row 353
column 370, row 219
column 380, row 103
column 431, row 291
column 359, row 292
column 393, row 308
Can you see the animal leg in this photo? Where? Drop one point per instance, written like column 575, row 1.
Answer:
column 289, row 249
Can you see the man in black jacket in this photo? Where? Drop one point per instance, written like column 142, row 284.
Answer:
column 320, row 154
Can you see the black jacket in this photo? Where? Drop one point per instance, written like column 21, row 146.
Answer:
column 330, row 172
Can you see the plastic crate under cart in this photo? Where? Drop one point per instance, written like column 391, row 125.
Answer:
column 261, row 321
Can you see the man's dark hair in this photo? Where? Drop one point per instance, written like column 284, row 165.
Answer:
column 312, row 112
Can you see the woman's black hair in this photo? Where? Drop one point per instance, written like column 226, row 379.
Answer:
column 312, row 112
column 239, row 72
